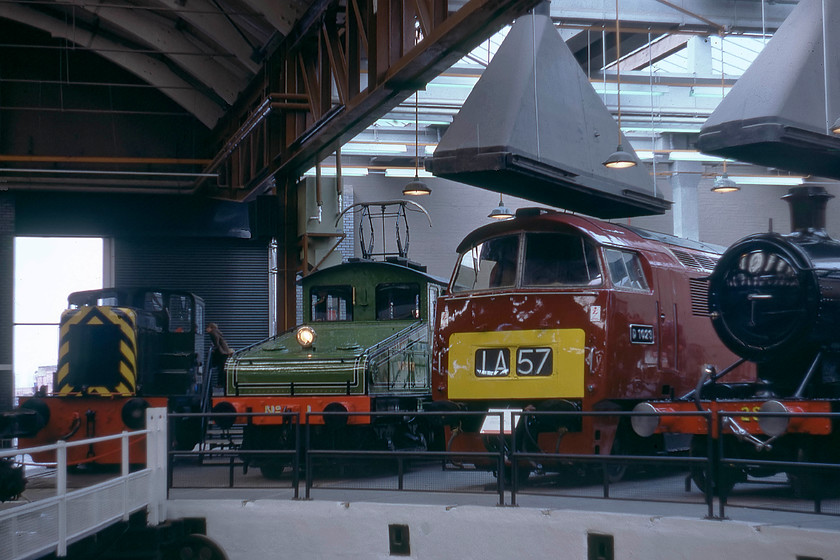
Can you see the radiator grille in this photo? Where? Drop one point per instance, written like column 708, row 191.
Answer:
column 699, row 296
column 703, row 262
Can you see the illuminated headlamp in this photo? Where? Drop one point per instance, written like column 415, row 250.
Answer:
column 774, row 426
column 305, row 336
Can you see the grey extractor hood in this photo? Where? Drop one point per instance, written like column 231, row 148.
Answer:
column 534, row 127
column 778, row 113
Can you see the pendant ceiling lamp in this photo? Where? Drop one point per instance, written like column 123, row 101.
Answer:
column 500, row 212
column 619, row 159
column 416, row 187
column 723, row 184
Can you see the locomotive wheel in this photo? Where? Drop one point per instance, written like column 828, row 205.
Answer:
column 264, row 438
column 186, row 432
column 727, row 476
column 195, row 547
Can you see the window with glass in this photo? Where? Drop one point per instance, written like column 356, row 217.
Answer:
column 560, row 259
column 626, row 270
column 153, row 301
column 180, row 313
column 397, row 301
column 331, row 303
column 487, row 265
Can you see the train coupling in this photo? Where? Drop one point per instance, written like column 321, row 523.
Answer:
column 743, row 435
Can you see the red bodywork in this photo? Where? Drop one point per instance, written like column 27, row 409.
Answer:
column 618, row 373
column 814, row 419
column 85, row 418
column 274, row 410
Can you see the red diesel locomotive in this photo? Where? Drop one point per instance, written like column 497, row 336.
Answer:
column 557, row 312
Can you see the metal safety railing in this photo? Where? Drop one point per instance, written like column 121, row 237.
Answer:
column 814, row 474
column 48, row 525
column 318, row 449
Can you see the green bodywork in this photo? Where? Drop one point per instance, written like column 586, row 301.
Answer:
column 364, row 356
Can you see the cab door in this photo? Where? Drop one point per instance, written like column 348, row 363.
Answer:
column 668, row 317
column 634, row 317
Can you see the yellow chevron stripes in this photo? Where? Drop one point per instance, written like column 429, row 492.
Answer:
column 82, row 327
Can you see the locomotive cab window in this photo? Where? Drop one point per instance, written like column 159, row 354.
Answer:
column 397, row 301
column 626, row 270
column 153, row 301
column 102, row 301
column 487, row 265
column 180, row 314
column 331, row 303
column 560, row 259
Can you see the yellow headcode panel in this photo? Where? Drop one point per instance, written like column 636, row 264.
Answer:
column 517, row 364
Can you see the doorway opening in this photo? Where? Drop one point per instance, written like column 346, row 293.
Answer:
column 47, row 270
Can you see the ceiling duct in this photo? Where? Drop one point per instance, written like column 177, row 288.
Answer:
column 776, row 114
column 534, row 127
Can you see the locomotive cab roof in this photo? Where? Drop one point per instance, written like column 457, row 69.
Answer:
column 535, row 219
column 131, row 297
column 355, row 266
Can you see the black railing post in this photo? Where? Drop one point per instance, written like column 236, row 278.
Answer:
column 514, row 458
column 295, row 418
column 710, row 451
column 606, row 479
column 170, row 461
column 501, row 477
column 718, row 467
column 308, row 459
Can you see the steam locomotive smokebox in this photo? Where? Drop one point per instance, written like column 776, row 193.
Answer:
column 534, row 127
column 775, row 299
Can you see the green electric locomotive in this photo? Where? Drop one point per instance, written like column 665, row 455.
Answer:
column 363, row 346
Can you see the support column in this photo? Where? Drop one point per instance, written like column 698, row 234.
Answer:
column 7, row 297
column 288, row 255
column 684, row 181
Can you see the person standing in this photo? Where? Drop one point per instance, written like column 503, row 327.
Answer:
column 219, row 353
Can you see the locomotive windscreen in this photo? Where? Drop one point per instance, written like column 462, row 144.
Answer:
column 94, row 356
column 763, row 297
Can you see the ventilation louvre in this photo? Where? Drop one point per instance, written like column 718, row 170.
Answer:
column 690, row 260
column 699, row 289
column 706, row 261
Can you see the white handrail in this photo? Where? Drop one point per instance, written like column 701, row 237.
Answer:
column 49, row 525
